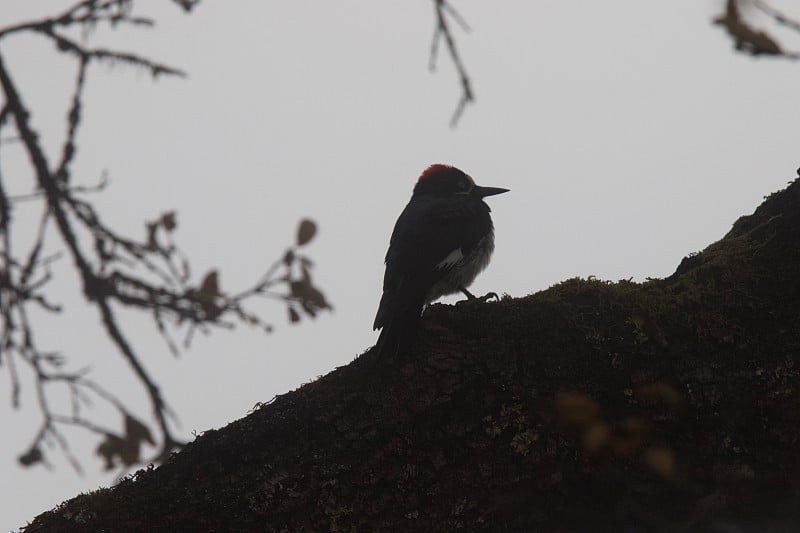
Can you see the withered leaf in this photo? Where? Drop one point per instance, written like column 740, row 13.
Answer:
column 115, row 446
column 31, row 457
column 304, row 291
column 207, row 295
column 168, row 220
column 209, row 288
column 306, row 231
column 135, row 430
column 746, row 37
column 294, row 316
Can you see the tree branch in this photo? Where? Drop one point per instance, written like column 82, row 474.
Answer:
column 91, row 284
column 443, row 32
column 111, row 271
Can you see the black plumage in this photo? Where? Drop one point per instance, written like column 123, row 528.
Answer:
column 441, row 241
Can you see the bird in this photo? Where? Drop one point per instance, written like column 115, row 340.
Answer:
column 442, row 240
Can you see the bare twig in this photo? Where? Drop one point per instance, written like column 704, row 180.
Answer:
column 117, row 272
column 74, row 118
column 777, row 16
column 443, row 32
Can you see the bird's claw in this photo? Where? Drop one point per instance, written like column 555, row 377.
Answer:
column 488, row 296
column 471, row 298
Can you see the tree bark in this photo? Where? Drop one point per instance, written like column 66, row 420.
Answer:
column 670, row 405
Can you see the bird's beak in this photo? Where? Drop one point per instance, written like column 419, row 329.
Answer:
column 483, row 192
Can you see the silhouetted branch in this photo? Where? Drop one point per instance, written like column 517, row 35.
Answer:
column 117, row 272
column 777, row 16
column 84, row 13
column 67, row 45
column 443, row 32
column 74, row 118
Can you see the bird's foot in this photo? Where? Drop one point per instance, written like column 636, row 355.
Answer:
column 471, row 298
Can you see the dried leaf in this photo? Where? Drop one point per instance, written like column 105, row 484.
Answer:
column 207, row 296
column 294, row 316
column 135, row 430
column 31, row 457
column 114, row 446
column 106, row 450
column 746, row 37
column 288, row 257
column 317, row 298
column 304, row 291
column 169, row 221
column 306, row 231
column 209, row 288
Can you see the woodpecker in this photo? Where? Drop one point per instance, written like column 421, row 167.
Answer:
column 443, row 238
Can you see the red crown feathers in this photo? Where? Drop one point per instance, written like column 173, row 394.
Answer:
column 434, row 169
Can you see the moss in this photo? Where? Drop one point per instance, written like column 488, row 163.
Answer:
column 592, row 405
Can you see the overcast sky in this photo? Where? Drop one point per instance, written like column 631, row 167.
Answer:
column 629, row 133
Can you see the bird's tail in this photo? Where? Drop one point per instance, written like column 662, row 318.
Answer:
column 400, row 327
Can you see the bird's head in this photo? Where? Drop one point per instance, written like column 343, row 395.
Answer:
column 444, row 180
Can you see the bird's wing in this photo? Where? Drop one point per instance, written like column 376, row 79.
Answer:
column 426, row 244
column 427, row 240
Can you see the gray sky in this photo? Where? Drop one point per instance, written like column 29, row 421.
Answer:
column 628, row 132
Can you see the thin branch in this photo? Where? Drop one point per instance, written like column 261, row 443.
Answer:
column 779, row 17
column 73, row 119
column 13, row 375
column 150, row 275
column 39, row 162
column 91, row 283
column 443, row 32
column 71, row 190
column 83, row 13
column 158, row 404
column 33, row 257
column 67, row 45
